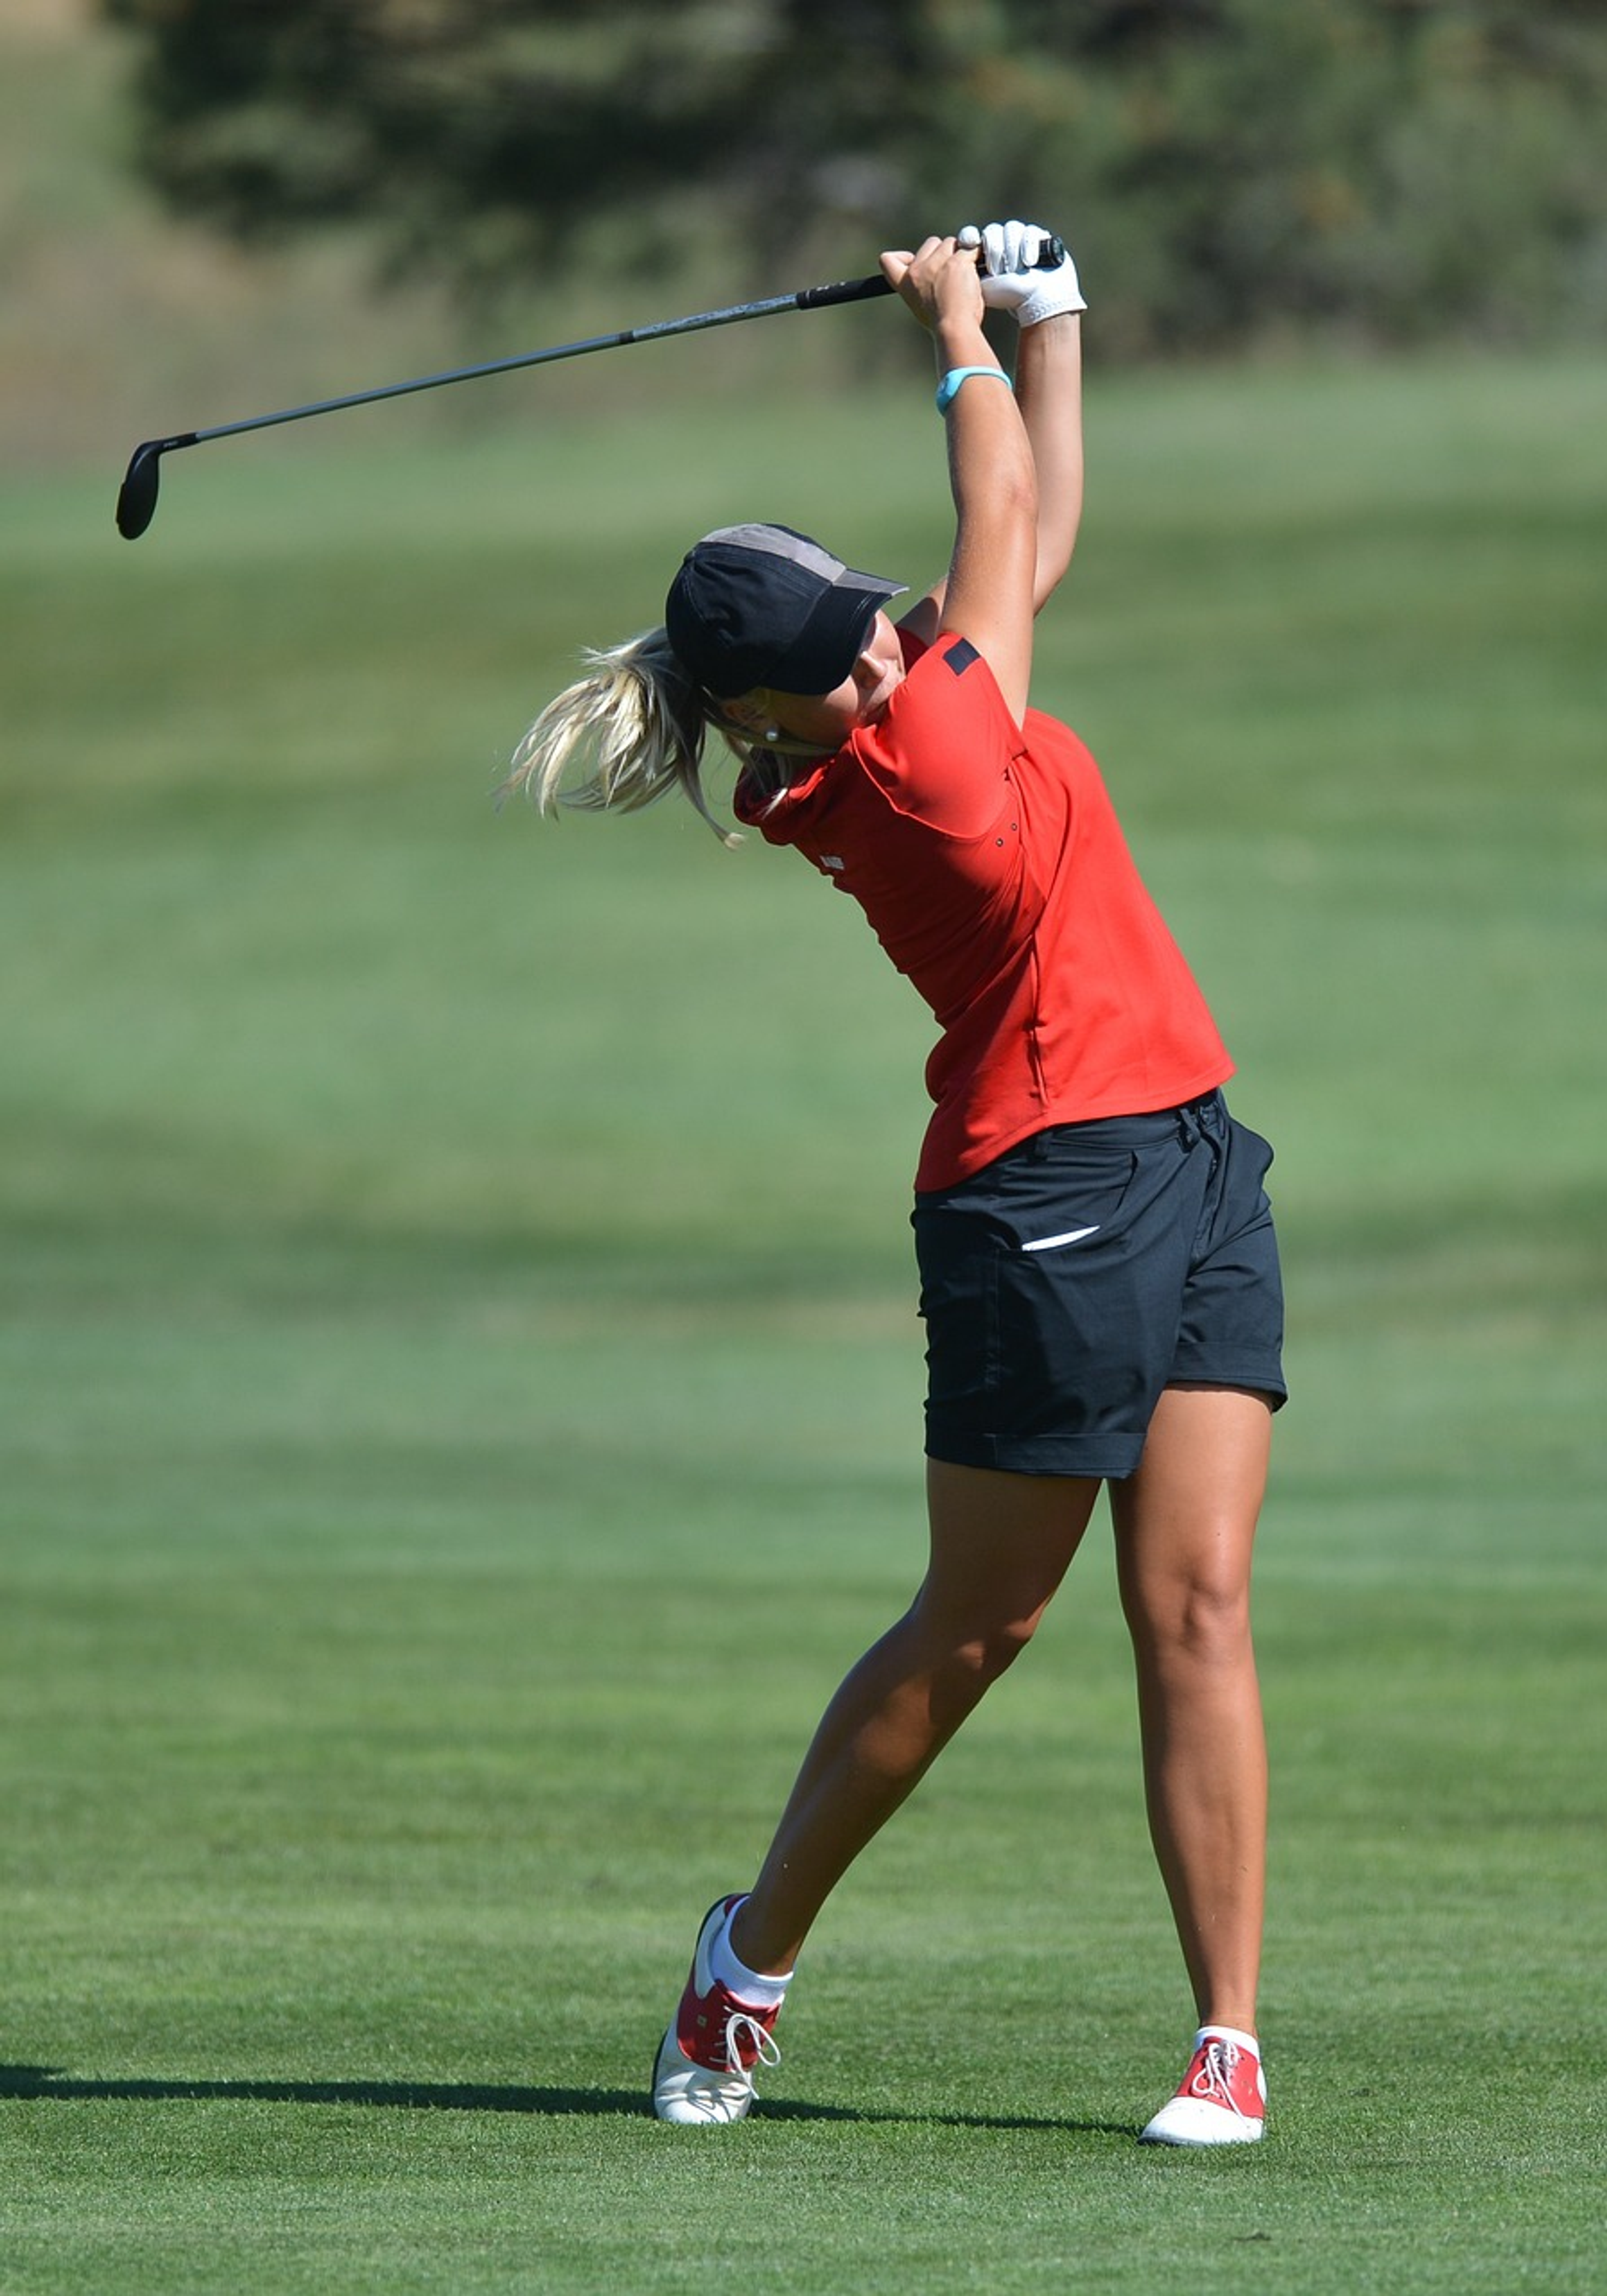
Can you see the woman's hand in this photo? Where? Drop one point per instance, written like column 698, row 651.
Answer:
column 1009, row 256
column 940, row 281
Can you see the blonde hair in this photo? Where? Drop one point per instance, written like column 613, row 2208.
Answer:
column 634, row 726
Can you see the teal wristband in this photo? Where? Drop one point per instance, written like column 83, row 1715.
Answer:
column 950, row 384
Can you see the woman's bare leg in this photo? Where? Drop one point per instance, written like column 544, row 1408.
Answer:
column 1185, row 1525
column 1001, row 1544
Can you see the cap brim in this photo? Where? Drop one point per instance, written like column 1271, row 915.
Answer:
column 825, row 650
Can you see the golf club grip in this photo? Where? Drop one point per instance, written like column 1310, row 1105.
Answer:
column 845, row 290
column 1052, row 254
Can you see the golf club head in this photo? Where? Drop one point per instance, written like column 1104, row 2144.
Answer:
column 137, row 496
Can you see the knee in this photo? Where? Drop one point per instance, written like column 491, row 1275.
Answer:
column 964, row 1645
column 976, row 1655
column 995, row 1652
column 1194, row 1620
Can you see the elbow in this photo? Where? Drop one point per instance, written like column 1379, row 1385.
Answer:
column 1015, row 506
column 1056, row 542
column 1018, row 494
column 1051, row 570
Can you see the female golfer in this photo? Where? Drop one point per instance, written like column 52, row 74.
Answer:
column 1099, row 1275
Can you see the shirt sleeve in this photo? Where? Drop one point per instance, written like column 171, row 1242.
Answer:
column 946, row 744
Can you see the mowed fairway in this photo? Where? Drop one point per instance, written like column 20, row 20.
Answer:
column 461, row 1384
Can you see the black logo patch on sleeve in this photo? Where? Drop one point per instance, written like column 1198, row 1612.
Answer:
column 960, row 656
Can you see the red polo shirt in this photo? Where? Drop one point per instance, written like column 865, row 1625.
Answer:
column 990, row 862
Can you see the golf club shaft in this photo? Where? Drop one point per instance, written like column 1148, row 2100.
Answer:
column 808, row 299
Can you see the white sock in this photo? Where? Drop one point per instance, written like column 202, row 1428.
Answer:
column 759, row 1992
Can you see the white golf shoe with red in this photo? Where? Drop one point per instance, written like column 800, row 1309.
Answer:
column 704, row 2073
column 1223, row 2098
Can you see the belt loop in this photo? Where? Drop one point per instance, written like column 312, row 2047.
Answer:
column 1201, row 1120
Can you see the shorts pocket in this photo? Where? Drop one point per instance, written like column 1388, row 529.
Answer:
column 1067, row 1199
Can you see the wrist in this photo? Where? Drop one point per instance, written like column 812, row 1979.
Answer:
column 962, row 346
column 1058, row 298
column 949, row 383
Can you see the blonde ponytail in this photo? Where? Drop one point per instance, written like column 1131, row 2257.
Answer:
column 634, row 726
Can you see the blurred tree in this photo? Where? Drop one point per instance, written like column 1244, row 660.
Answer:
column 1394, row 167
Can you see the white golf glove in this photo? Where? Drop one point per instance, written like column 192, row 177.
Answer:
column 1010, row 283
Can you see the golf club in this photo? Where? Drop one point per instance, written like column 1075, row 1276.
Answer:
column 137, row 496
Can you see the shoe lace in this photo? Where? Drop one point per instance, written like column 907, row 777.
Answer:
column 745, row 2032
column 1213, row 2077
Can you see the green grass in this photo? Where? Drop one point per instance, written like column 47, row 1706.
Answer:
column 460, row 1389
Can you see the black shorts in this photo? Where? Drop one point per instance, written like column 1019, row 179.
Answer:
column 1075, row 1278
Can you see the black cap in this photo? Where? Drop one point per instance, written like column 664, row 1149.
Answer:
column 762, row 605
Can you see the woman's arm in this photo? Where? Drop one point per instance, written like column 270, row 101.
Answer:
column 988, row 594
column 1048, row 384
column 1048, row 390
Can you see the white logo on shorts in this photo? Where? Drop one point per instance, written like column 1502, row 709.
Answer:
column 1053, row 1243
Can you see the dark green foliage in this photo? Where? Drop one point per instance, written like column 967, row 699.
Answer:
column 1395, row 169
